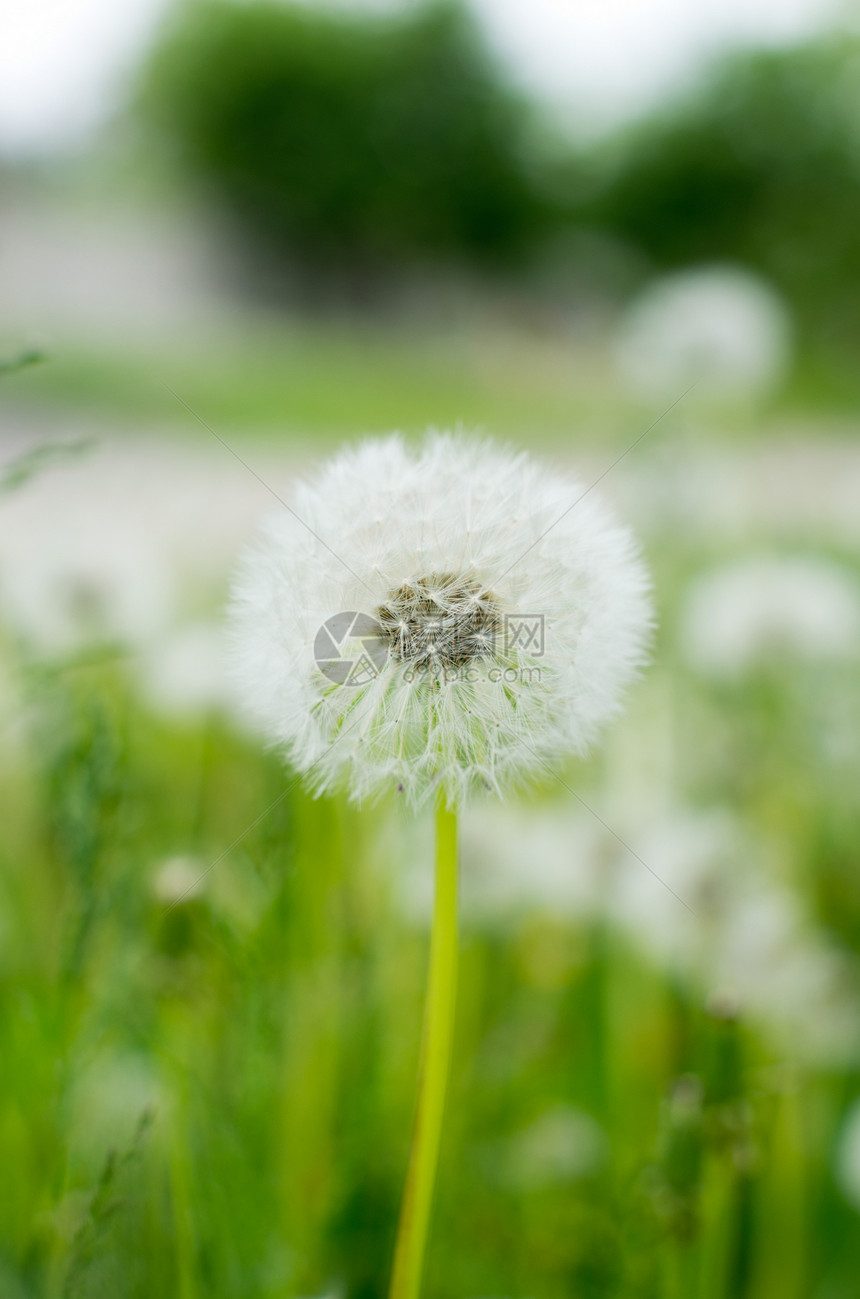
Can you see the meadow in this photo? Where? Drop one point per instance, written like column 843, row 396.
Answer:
column 211, row 983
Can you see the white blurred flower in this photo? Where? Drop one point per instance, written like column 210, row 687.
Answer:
column 769, row 962
column 848, row 1157
column 719, row 327
column 692, row 856
column 513, row 862
column 86, row 586
column 744, row 939
column 706, row 907
column 107, row 545
column 756, row 609
column 79, row 559
column 560, row 1146
column 500, row 612
column 178, row 879
column 109, row 1097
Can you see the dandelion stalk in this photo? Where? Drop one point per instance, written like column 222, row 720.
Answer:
column 441, row 621
column 433, row 1077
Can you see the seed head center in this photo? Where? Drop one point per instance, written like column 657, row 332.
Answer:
column 441, row 620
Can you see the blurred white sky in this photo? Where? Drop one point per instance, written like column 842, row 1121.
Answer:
column 63, row 62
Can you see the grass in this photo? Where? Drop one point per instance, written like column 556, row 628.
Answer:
column 210, row 1094
column 320, row 382
column 214, row 1097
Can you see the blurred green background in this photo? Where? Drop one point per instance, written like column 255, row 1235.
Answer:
column 298, row 225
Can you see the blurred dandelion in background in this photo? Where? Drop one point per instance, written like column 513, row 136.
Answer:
column 760, row 609
column 719, row 328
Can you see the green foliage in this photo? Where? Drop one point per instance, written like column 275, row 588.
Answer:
column 760, row 166
column 99, row 1255
column 12, row 364
column 20, row 469
column 351, row 147
column 211, row 1092
column 350, row 140
column 322, row 382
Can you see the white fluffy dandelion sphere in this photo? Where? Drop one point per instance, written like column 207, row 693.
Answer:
column 446, row 619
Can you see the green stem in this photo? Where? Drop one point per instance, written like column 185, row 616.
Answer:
column 433, row 1076
column 183, row 1226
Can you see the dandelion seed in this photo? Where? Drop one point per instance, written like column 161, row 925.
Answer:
column 497, row 646
column 469, row 627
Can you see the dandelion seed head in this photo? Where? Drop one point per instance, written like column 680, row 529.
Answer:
column 459, row 650
column 448, row 617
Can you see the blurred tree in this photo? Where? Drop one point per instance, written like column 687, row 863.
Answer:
column 761, row 167
column 350, row 140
